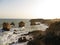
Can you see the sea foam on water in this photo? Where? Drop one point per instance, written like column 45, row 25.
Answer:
column 9, row 37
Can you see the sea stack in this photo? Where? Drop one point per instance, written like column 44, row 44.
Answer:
column 21, row 24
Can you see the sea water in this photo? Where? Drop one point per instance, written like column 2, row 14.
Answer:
column 20, row 31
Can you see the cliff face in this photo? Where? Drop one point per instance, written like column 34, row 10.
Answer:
column 54, row 28
column 33, row 21
column 45, row 21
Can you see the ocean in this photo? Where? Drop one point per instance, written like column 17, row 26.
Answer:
column 16, row 21
column 27, row 24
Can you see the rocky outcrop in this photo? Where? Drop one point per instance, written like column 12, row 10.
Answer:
column 51, row 37
column 21, row 24
column 45, row 21
column 37, row 33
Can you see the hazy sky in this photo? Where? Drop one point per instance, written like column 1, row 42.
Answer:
column 30, row 9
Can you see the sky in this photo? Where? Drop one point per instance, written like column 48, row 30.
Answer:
column 28, row 9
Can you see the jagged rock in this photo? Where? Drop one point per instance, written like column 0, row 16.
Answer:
column 21, row 24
